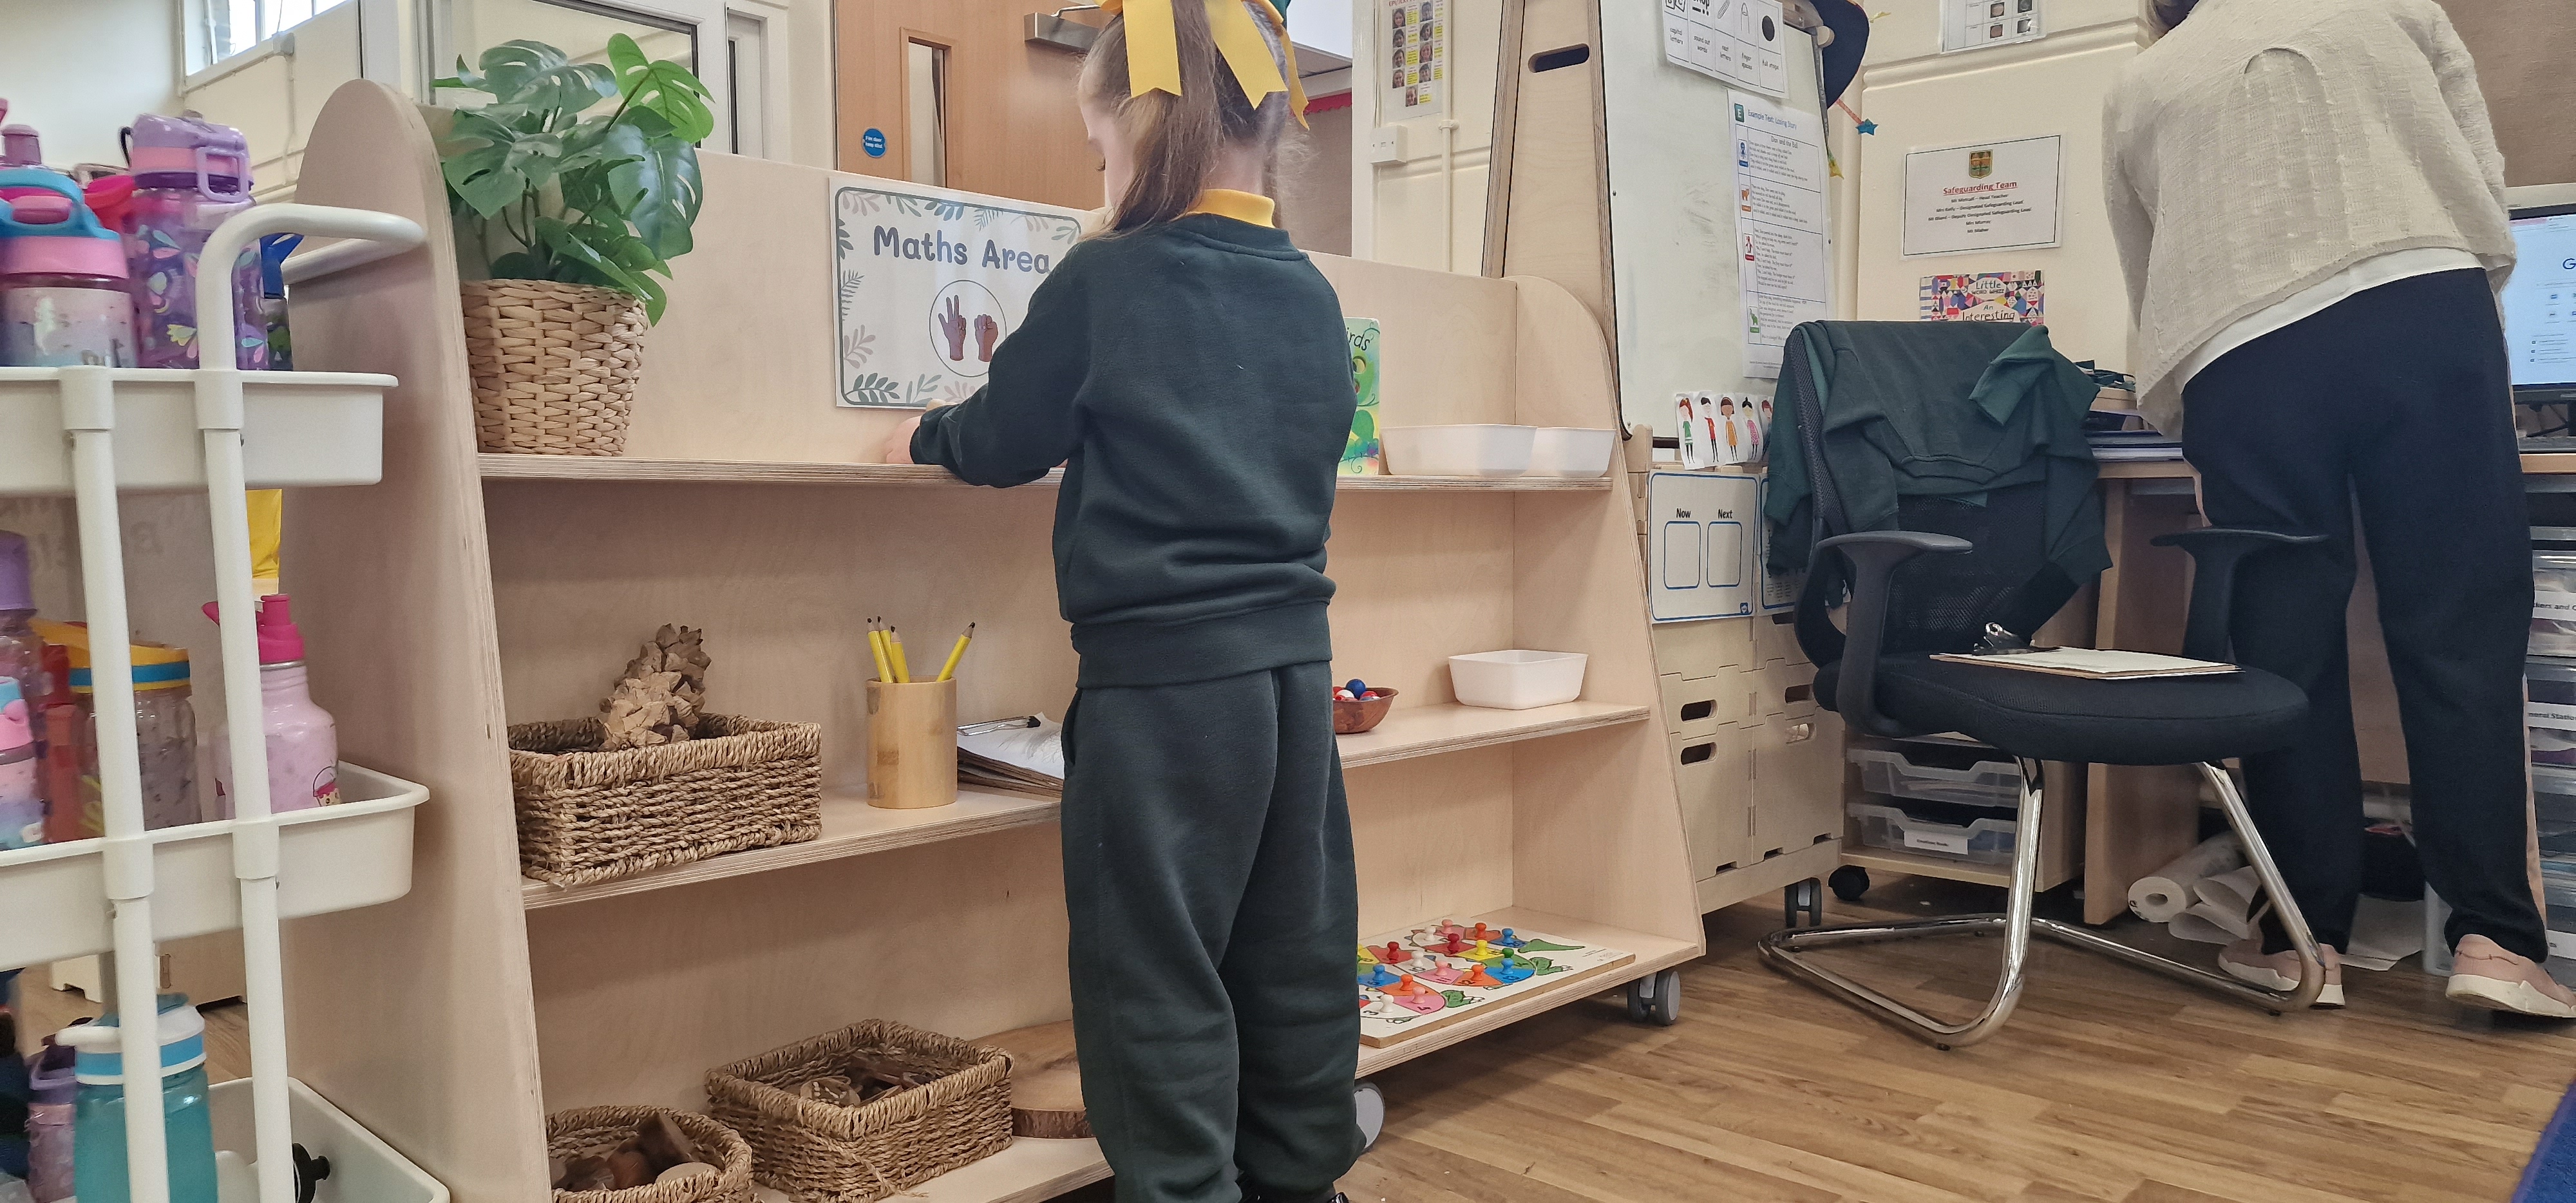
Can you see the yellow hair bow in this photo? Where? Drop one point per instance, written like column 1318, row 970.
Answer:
column 1154, row 51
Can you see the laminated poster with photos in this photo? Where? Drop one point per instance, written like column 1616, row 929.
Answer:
column 1413, row 36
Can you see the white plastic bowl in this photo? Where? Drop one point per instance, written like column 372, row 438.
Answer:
column 1571, row 452
column 1474, row 450
column 1517, row 679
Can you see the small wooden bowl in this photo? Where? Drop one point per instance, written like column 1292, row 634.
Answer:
column 1351, row 718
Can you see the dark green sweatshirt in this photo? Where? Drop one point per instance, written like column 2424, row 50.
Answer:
column 1195, row 381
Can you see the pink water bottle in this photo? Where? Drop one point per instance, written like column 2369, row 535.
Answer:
column 303, row 742
column 63, row 298
column 189, row 175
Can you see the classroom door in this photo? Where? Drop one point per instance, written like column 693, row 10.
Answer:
column 950, row 92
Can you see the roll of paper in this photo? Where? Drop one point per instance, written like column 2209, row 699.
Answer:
column 2167, row 892
column 2233, row 891
column 2205, row 923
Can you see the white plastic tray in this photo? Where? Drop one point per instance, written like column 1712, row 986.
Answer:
column 1985, row 841
column 331, row 858
column 298, row 428
column 1891, row 772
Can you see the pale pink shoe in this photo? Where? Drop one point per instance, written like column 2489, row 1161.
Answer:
column 2483, row 974
column 2246, row 961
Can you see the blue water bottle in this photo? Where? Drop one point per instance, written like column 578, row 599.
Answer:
column 98, row 1114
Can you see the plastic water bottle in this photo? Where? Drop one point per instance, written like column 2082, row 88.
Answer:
column 22, row 650
column 63, row 298
column 189, row 175
column 49, row 1123
column 303, row 742
column 98, row 1114
column 22, row 805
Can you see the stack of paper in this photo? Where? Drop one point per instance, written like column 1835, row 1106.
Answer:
column 2102, row 664
column 1017, row 760
column 2127, row 446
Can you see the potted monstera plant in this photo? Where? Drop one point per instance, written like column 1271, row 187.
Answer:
column 572, row 190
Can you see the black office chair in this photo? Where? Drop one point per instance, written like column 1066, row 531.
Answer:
column 1879, row 674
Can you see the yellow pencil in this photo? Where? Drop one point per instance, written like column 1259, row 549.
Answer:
column 877, row 648
column 957, row 653
column 894, row 644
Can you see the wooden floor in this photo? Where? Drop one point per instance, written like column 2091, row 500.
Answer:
column 44, row 1011
column 2108, row 1085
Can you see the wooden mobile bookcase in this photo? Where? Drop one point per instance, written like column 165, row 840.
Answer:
column 498, row 589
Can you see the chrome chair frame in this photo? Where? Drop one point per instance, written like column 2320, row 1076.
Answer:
column 1785, row 950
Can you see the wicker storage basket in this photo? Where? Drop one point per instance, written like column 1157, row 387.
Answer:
column 584, row 1131
column 587, row 815
column 819, row 1153
column 554, row 365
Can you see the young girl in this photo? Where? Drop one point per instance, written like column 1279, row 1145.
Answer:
column 1189, row 368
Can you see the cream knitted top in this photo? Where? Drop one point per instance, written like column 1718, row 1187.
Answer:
column 2265, row 145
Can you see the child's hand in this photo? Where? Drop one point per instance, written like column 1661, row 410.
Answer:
column 898, row 448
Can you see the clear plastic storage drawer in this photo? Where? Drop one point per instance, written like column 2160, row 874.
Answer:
column 1935, row 831
column 1936, row 774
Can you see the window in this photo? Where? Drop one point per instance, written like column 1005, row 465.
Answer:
column 579, row 28
column 233, row 26
column 925, row 104
column 747, row 84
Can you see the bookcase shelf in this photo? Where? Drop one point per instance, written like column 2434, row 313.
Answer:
column 496, row 466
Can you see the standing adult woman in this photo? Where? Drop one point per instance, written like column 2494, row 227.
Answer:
column 2309, row 207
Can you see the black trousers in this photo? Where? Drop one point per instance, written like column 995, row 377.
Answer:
column 2394, row 402
column 1215, row 922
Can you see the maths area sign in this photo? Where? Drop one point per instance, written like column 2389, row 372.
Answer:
column 1983, row 196
column 927, row 282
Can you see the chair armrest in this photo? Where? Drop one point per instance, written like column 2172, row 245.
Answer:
column 1875, row 556
column 2216, row 553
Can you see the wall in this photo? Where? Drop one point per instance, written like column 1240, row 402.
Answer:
column 1921, row 98
column 1315, row 181
column 273, row 94
column 1398, row 209
column 2524, row 48
column 66, row 75
column 804, row 127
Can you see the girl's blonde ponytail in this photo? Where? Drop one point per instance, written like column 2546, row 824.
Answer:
column 1179, row 138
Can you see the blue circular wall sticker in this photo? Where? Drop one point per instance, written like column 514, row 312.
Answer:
column 874, row 141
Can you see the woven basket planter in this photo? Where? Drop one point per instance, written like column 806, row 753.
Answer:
column 585, row 1131
column 587, row 815
column 554, row 365
column 819, row 1153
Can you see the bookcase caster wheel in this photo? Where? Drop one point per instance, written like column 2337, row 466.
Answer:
column 1803, row 898
column 1370, row 1103
column 1849, row 882
column 1656, row 998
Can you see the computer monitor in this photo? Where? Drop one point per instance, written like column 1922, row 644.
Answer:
column 2539, row 305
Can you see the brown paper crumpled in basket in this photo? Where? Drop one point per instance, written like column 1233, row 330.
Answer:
column 820, row 1153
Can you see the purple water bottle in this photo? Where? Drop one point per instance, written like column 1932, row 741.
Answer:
column 49, row 1122
column 189, row 175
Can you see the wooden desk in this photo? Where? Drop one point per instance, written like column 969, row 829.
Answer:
column 2138, row 819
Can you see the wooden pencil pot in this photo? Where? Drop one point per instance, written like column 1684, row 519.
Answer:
column 912, row 744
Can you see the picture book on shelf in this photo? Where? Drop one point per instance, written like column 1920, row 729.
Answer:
column 1365, row 454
